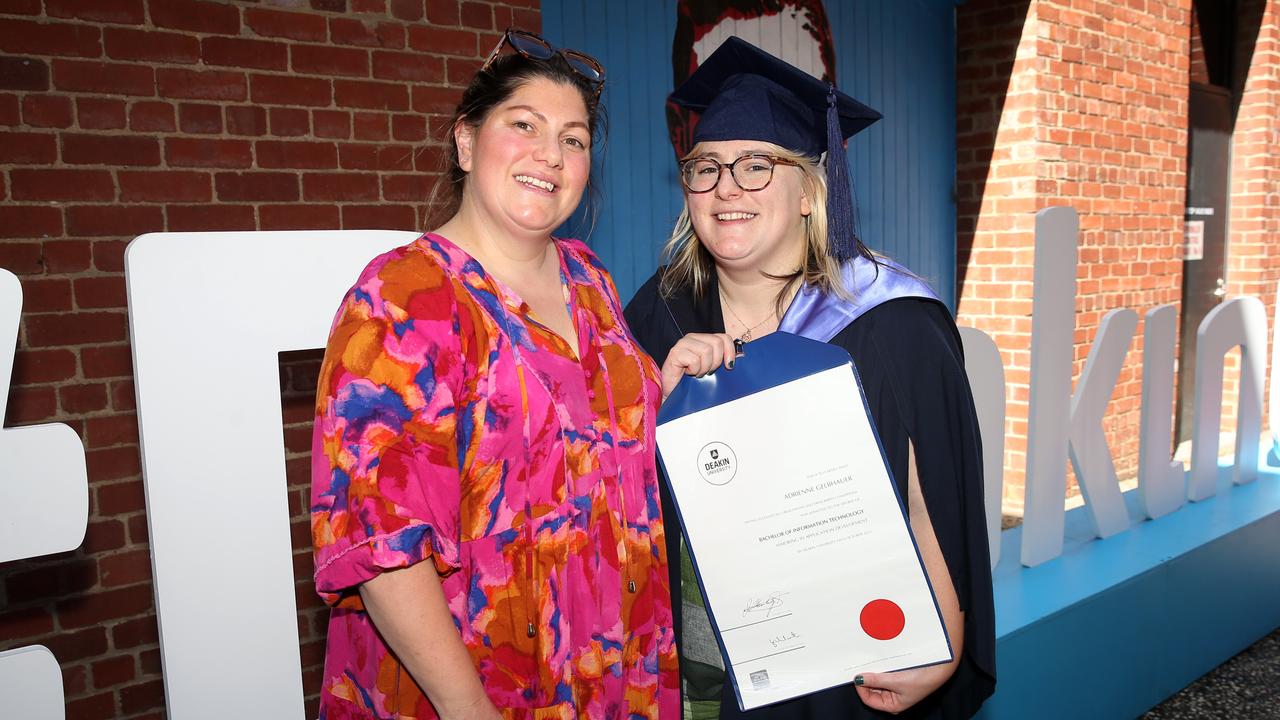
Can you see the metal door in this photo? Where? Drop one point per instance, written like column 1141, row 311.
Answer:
column 1205, row 239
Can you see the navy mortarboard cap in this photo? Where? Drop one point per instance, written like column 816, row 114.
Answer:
column 744, row 93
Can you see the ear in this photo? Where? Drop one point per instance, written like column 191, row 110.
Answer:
column 806, row 208
column 464, row 136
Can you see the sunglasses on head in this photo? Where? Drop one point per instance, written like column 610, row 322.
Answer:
column 534, row 47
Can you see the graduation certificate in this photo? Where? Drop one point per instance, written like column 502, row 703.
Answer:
column 798, row 536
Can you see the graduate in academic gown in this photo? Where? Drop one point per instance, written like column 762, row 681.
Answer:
column 767, row 242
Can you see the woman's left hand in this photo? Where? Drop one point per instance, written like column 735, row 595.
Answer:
column 894, row 692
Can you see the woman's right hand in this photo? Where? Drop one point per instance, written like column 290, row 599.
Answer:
column 696, row 354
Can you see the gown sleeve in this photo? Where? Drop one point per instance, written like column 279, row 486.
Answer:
column 911, row 364
column 385, row 488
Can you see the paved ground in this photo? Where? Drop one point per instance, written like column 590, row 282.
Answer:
column 1246, row 687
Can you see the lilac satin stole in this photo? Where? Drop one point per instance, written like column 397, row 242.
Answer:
column 821, row 316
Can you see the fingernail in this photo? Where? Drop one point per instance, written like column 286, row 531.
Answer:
column 857, row 680
column 729, row 365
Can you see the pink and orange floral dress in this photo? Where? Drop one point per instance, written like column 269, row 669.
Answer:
column 452, row 426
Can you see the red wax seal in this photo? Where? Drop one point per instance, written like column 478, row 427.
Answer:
column 882, row 619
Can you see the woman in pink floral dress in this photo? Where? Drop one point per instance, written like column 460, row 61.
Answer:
column 483, row 408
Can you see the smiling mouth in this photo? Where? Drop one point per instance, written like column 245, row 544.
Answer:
column 726, row 217
column 535, row 182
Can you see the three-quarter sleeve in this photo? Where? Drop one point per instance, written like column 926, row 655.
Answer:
column 385, row 468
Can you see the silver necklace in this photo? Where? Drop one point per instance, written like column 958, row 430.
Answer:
column 746, row 335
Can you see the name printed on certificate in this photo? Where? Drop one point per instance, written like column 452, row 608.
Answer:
column 800, row 542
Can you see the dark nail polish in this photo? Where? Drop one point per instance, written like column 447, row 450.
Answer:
column 729, row 365
column 857, row 680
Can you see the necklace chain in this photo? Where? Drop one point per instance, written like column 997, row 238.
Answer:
column 746, row 335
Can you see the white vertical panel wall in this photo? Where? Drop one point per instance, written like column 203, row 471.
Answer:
column 898, row 56
column 636, row 171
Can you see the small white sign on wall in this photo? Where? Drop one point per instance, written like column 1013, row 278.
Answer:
column 1193, row 240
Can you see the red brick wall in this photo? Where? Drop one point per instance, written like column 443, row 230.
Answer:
column 1114, row 146
column 1253, row 260
column 1094, row 117
column 995, row 195
column 119, row 117
column 1199, row 64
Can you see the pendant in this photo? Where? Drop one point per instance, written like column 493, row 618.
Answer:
column 746, row 336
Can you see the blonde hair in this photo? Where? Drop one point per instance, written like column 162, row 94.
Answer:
column 689, row 264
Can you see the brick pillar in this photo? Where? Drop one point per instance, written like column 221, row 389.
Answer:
column 1255, row 155
column 995, row 197
column 1115, row 114
column 129, row 116
column 1253, row 264
column 1094, row 117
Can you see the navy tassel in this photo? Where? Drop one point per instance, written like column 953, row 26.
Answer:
column 842, row 231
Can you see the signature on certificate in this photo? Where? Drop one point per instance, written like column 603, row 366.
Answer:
column 786, row 637
column 767, row 606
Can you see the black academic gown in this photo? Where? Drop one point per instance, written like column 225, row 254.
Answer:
column 909, row 359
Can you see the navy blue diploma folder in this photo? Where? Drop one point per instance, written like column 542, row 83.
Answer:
column 767, row 363
column 775, row 359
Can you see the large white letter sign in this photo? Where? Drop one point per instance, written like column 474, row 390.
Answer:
column 1060, row 422
column 44, row 494
column 31, row 684
column 985, row 368
column 1053, row 313
column 1090, row 454
column 209, row 313
column 1162, row 482
column 44, row 486
column 1241, row 321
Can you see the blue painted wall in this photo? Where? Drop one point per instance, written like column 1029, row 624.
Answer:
column 896, row 55
column 636, row 172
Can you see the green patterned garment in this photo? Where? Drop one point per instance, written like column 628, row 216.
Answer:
column 702, row 674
